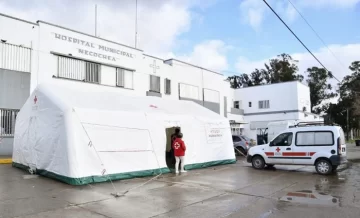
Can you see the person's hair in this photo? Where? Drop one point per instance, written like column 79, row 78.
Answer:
column 180, row 135
column 177, row 130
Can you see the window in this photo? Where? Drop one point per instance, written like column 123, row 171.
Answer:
column 236, row 139
column 167, row 86
column 249, row 104
column 71, row 68
column 124, row 78
column 92, row 72
column 7, row 122
column 264, row 104
column 154, row 83
column 315, row 138
column 237, row 104
column 284, row 139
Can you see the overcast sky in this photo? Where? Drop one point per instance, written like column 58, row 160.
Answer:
column 229, row 36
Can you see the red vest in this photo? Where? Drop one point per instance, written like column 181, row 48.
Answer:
column 179, row 147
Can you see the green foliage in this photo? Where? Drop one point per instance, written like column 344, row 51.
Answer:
column 349, row 90
column 320, row 89
column 281, row 69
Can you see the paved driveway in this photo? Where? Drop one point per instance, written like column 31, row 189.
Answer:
column 234, row 190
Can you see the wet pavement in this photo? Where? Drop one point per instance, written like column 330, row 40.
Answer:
column 235, row 190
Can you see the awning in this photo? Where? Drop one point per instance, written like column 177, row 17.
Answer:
column 238, row 122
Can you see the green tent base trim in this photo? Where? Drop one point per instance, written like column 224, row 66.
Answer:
column 119, row 176
column 209, row 164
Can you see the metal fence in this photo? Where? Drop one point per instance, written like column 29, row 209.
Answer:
column 15, row 57
column 7, row 122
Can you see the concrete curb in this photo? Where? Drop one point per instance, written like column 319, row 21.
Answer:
column 5, row 161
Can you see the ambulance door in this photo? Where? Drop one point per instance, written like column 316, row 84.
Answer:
column 279, row 148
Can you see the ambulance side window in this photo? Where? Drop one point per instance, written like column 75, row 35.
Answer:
column 284, row 139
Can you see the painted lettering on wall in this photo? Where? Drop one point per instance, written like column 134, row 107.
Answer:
column 214, row 134
column 94, row 54
column 95, row 46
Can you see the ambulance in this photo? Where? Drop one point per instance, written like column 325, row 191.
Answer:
column 321, row 146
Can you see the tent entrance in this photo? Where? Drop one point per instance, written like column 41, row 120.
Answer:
column 170, row 159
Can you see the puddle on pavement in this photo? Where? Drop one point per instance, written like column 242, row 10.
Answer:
column 321, row 194
column 311, row 197
column 30, row 176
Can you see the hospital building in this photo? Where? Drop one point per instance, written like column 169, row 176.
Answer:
column 32, row 53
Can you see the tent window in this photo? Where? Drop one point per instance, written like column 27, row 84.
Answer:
column 124, row 78
column 154, row 83
column 92, row 72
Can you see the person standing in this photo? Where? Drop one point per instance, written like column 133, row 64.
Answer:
column 173, row 137
column 179, row 152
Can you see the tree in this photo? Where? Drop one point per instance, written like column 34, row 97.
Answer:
column 356, row 106
column 257, row 77
column 281, row 69
column 320, row 89
column 239, row 81
column 234, row 82
column 349, row 90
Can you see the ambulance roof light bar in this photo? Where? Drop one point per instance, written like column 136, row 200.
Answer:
column 315, row 123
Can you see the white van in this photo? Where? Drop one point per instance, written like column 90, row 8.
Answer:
column 322, row 146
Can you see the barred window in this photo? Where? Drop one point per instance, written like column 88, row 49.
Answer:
column 167, row 86
column 154, row 83
column 264, row 104
column 92, row 72
column 7, row 122
column 71, row 68
column 124, row 78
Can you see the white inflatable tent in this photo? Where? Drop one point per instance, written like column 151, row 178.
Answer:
column 81, row 133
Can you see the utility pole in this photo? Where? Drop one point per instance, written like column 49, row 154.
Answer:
column 135, row 23
column 347, row 124
column 95, row 20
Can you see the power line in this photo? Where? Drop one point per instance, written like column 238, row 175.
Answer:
column 300, row 40
column 317, row 34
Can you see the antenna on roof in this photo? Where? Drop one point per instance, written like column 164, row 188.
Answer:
column 136, row 23
column 95, row 20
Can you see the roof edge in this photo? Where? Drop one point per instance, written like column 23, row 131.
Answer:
column 15, row 18
column 173, row 59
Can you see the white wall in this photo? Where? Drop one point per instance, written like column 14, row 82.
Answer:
column 162, row 70
column 14, row 89
column 191, row 75
column 303, row 93
column 282, row 97
column 17, row 32
column 17, row 60
column 64, row 41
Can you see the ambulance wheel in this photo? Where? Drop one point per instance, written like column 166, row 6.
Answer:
column 258, row 162
column 323, row 167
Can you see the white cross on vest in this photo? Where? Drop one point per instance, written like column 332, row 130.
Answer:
column 176, row 145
